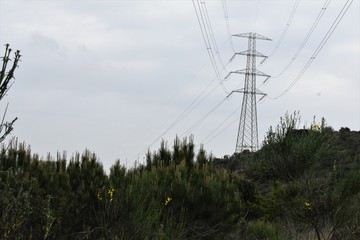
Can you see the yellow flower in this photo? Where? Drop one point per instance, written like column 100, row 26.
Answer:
column 168, row 200
column 99, row 196
column 315, row 127
column 111, row 193
column 308, row 205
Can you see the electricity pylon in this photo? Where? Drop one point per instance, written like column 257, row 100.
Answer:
column 247, row 138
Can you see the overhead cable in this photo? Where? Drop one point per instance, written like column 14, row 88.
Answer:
column 191, row 107
column 320, row 46
column 226, row 16
column 196, row 102
column 292, row 14
column 302, row 45
column 222, row 130
column 205, row 27
column 220, row 125
column 211, row 32
column 190, row 129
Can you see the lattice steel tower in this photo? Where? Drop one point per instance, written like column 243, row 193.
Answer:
column 247, row 138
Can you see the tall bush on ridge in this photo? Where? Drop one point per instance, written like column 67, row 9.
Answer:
column 318, row 200
column 287, row 151
column 201, row 157
column 182, row 151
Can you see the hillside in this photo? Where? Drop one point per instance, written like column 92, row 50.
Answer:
column 302, row 184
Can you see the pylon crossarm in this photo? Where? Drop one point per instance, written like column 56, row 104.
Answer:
column 250, row 92
column 227, row 76
column 230, row 94
column 259, row 36
column 232, row 58
column 265, row 58
column 242, row 35
column 260, row 73
column 244, row 71
column 266, row 79
column 238, row 72
column 252, row 35
column 262, row 97
column 250, row 53
column 258, row 92
column 235, row 91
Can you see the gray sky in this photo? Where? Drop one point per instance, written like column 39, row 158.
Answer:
column 113, row 76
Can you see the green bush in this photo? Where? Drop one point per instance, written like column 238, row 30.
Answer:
column 302, row 184
column 262, row 230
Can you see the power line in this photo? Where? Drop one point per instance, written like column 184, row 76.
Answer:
column 211, row 32
column 191, row 107
column 226, row 127
column 209, row 40
column 226, row 16
column 211, row 111
column 206, row 32
column 195, row 125
column 302, row 45
column 320, row 46
column 190, row 129
column 196, row 102
column 292, row 14
column 222, row 123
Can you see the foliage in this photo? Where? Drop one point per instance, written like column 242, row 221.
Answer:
column 287, row 152
column 302, row 184
column 309, row 180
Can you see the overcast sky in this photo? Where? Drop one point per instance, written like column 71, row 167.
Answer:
column 113, row 76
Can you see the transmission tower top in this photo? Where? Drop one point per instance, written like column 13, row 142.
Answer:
column 252, row 35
